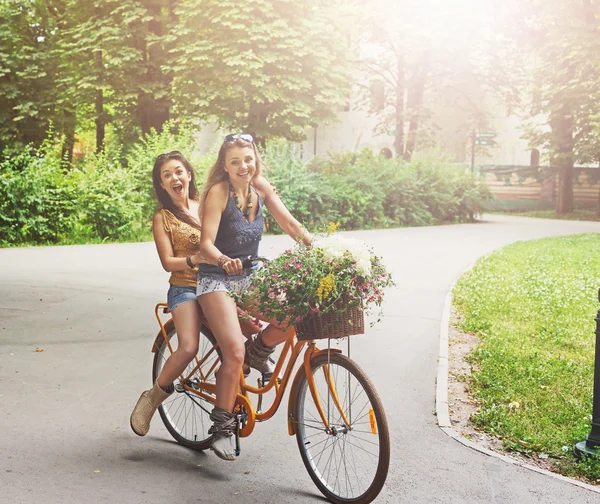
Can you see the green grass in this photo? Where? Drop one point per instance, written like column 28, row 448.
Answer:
column 533, row 305
column 585, row 215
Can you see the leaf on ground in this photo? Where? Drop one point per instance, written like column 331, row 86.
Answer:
column 38, row 349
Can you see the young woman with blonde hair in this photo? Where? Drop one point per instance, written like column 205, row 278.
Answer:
column 232, row 224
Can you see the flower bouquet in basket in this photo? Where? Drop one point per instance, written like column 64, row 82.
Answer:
column 324, row 289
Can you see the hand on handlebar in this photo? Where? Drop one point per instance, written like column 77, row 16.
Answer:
column 233, row 267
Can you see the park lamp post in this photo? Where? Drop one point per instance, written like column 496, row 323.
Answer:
column 592, row 442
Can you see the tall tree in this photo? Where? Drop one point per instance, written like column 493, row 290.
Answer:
column 104, row 64
column 270, row 67
column 421, row 52
column 560, row 43
column 28, row 69
column 155, row 97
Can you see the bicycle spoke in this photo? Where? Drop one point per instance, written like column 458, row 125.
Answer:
column 345, row 459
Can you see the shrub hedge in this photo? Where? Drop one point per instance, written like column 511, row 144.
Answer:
column 108, row 196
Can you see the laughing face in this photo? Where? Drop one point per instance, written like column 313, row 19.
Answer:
column 175, row 179
column 240, row 164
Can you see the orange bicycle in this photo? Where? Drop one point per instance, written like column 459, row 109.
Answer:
column 333, row 409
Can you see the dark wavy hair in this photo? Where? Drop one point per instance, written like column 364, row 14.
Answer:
column 163, row 196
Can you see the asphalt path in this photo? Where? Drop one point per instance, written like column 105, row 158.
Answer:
column 64, row 412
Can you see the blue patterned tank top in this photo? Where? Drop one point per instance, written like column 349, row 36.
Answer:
column 236, row 238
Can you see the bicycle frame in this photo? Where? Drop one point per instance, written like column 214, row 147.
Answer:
column 208, row 390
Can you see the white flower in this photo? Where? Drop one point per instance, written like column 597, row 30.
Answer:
column 334, row 246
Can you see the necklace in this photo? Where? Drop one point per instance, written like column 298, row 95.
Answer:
column 236, row 200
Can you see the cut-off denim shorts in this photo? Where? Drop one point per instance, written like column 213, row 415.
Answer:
column 179, row 294
column 233, row 283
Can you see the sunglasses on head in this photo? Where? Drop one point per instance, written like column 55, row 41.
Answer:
column 242, row 136
column 169, row 154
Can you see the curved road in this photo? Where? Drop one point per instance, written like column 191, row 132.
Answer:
column 65, row 434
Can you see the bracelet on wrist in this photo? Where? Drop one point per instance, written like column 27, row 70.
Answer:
column 222, row 260
column 189, row 262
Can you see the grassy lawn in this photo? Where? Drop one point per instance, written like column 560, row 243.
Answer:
column 586, row 215
column 533, row 306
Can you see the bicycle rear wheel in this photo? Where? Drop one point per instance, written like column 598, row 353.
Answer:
column 185, row 414
column 350, row 461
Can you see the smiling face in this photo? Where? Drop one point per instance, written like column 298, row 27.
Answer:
column 175, row 179
column 240, row 164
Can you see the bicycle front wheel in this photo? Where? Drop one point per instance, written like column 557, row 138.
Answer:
column 349, row 461
column 185, row 414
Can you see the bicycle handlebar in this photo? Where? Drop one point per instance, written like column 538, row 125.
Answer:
column 250, row 261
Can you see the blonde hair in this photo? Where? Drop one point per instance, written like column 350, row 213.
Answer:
column 217, row 173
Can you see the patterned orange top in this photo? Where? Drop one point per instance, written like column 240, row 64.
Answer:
column 186, row 241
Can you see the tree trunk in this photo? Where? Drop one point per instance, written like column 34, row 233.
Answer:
column 66, row 154
column 400, row 89
column 100, row 121
column 257, row 123
column 598, row 208
column 155, row 107
column 415, row 106
column 561, row 123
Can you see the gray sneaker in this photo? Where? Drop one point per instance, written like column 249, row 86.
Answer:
column 223, row 444
column 223, row 433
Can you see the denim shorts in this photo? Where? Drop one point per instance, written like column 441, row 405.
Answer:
column 179, row 294
column 233, row 283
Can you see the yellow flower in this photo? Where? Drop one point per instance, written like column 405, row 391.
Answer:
column 326, row 287
column 332, row 227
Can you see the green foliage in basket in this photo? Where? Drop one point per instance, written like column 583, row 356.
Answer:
column 334, row 273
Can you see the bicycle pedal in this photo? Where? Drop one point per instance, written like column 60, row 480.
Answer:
column 265, row 378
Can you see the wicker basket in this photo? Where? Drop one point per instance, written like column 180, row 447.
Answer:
column 332, row 325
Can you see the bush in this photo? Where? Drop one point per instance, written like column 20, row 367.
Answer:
column 36, row 200
column 109, row 196
column 356, row 189
column 362, row 190
column 110, row 202
column 301, row 190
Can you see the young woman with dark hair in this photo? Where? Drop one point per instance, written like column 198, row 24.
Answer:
column 177, row 231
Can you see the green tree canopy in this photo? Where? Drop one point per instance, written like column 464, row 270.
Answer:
column 270, row 67
column 560, row 43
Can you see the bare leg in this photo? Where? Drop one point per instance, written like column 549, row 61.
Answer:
column 221, row 313
column 272, row 335
column 187, row 323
